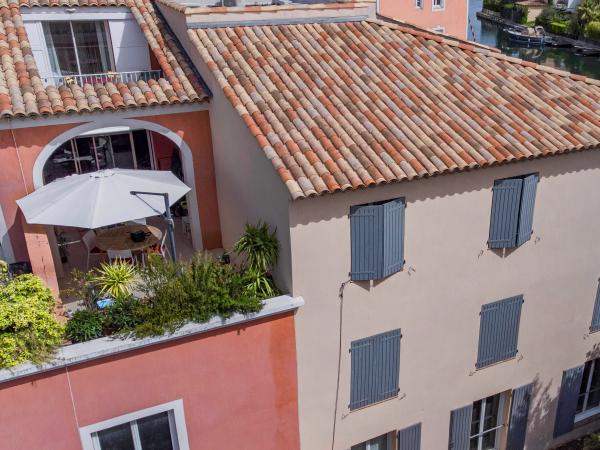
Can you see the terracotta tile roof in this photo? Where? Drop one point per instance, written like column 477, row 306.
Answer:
column 345, row 105
column 23, row 94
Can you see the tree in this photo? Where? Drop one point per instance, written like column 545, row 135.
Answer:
column 29, row 330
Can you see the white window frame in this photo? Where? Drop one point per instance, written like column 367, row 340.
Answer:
column 70, row 20
column 389, row 441
column 419, row 4
column 88, row 434
column 441, row 7
column 587, row 413
column 482, row 432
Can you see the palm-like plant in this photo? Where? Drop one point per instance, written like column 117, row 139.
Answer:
column 260, row 246
column 116, row 279
column 588, row 11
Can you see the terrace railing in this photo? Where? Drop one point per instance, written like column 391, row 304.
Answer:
column 113, row 77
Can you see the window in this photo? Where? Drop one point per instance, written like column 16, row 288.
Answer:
column 511, row 219
column 499, row 331
column 588, row 401
column 78, row 47
column 419, row 4
column 160, row 427
column 380, row 443
column 129, row 150
column 377, row 239
column 486, row 423
column 438, row 4
column 375, row 369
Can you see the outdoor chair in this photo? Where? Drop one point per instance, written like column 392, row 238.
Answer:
column 89, row 241
column 124, row 255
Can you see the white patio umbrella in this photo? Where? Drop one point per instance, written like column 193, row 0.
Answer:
column 102, row 198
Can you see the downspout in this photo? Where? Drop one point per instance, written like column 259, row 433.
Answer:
column 14, row 139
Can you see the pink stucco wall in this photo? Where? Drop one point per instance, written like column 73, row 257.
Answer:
column 238, row 387
column 21, row 147
column 453, row 17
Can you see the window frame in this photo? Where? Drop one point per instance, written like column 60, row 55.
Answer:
column 109, row 45
column 440, row 7
column 388, row 439
column 419, row 4
column 500, row 416
column 587, row 413
column 89, row 437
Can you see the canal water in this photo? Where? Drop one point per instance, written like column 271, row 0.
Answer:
column 561, row 58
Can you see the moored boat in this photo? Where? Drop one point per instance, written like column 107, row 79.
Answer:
column 527, row 35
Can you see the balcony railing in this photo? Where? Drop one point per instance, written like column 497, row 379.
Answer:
column 113, row 77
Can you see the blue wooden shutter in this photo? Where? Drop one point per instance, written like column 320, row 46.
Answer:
column 375, row 368
column 393, row 237
column 366, row 234
column 567, row 400
column 504, row 219
column 526, row 211
column 499, row 330
column 410, row 438
column 596, row 314
column 519, row 411
column 460, row 428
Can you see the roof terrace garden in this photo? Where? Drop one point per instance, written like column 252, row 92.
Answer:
column 125, row 300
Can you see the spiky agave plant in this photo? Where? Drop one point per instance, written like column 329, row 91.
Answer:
column 260, row 246
column 116, row 279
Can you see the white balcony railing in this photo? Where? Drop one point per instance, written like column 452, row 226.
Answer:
column 113, row 77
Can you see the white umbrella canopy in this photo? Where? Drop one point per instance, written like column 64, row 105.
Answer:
column 102, row 198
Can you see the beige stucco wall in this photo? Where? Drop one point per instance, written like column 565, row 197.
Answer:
column 436, row 299
column 248, row 187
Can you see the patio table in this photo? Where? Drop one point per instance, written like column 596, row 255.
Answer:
column 119, row 238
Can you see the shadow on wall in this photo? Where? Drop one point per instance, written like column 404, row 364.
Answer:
column 446, row 184
column 541, row 415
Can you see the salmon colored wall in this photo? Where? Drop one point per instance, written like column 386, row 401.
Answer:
column 12, row 185
column 193, row 127
column 238, row 387
column 453, row 17
column 163, row 150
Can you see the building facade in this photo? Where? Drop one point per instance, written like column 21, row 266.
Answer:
column 232, row 381
column 433, row 200
column 443, row 16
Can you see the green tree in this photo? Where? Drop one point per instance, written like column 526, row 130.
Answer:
column 29, row 330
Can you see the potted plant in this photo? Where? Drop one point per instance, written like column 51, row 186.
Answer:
column 259, row 247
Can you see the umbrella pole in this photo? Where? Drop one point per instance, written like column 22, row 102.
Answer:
column 170, row 228
column 168, row 219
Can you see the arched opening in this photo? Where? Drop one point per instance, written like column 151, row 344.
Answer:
column 127, row 143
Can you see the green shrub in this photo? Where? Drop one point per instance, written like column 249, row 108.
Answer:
column 592, row 442
column 260, row 247
column 592, row 30
column 85, row 325
column 493, row 5
column 115, row 279
column 558, row 28
column 123, row 315
column 29, row 330
column 177, row 292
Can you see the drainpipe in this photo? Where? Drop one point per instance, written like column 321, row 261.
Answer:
column 14, row 139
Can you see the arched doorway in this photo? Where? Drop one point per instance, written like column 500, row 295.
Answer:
column 99, row 153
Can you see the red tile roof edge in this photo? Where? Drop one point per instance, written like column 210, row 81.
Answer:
column 23, row 95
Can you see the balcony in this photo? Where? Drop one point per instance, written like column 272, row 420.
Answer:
column 113, row 77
